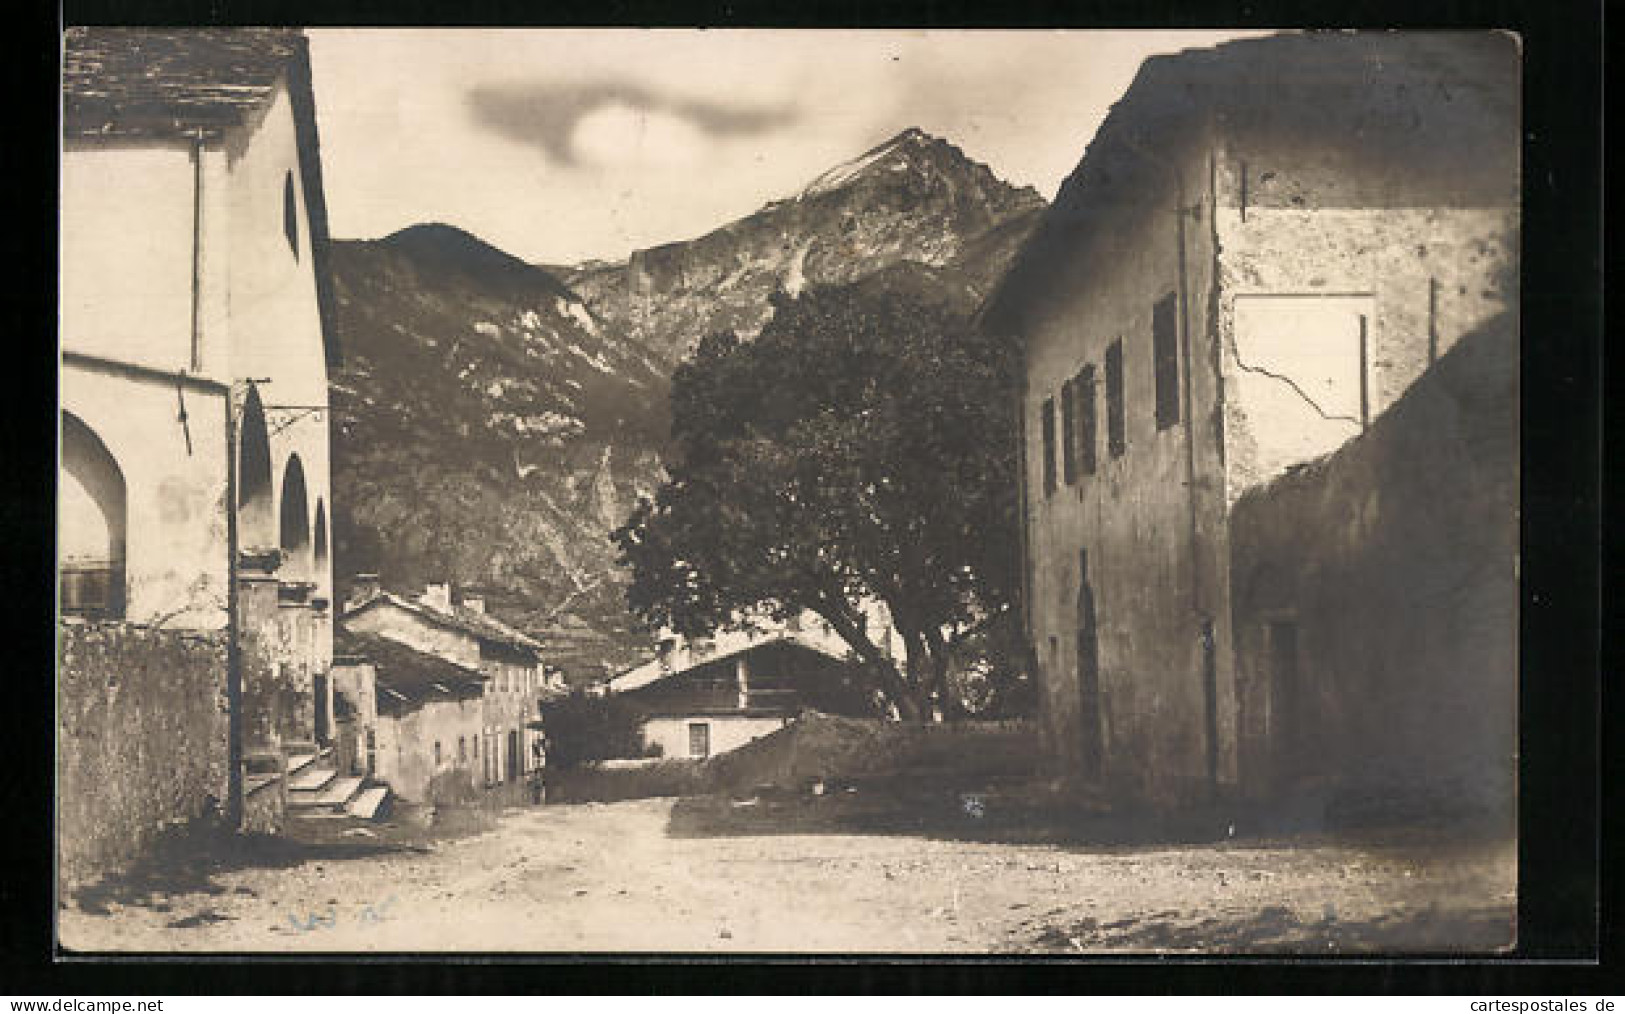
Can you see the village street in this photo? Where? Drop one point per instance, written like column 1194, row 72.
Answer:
column 681, row 875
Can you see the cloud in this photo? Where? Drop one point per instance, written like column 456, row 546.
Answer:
column 567, row 121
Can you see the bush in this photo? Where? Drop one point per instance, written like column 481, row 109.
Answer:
column 582, row 729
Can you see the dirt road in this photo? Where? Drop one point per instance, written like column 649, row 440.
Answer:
column 685, row 876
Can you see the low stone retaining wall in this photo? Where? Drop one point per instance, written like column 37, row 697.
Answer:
column 142, row 740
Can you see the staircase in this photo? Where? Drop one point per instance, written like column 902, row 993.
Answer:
column 317, row 791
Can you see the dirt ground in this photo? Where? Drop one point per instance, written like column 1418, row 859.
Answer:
column 808, row 875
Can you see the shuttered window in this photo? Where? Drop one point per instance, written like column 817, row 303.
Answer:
column 1069, row 434
column 1116, row 429
column 1048, row 424
column 1084, row 394
column 1165, row 353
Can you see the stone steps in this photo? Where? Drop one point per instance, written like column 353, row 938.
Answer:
column 339, row 791
column 368, row 803
column 311, row 779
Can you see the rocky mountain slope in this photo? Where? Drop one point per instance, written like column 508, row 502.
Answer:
column 490, row 431
column 913, row 198
column 494, row 420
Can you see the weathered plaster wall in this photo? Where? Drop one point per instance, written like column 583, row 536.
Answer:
column 356, row 684
column 406, row 751
column 1430, row 275
column 728, row 732
column 1401, row 186
column 275, row 323
column 126, row 234
column 1397, row 561
column 142, row 724
column 1154, row 538
column 510, row 703
column 175, row 529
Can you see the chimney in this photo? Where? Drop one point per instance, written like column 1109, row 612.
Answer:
column 363, row 587
column 437, row 596
column 475, row 603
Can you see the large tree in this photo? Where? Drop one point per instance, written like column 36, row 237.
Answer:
column 861, row 447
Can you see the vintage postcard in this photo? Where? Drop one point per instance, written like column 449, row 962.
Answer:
column 788, row 492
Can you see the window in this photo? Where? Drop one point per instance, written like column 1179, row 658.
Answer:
column 1165, row 352
column 1116, row 437
column 1049, row 444
column 437, row 753
column 462, row 749
column 1069, row 434
column 1084, row 386
column 91, row 506
column 699, row 739
column 290, row 214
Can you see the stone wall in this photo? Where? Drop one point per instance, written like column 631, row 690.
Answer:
column 142, row 727
column 1381, row 584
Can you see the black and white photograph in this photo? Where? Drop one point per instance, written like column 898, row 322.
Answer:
column 766, row 491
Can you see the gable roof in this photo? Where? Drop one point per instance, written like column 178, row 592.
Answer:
column 460, row 619
column 654, row 670
column 199, row 83
column 408, row 678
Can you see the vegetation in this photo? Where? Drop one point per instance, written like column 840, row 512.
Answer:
column 582, row 728
column 860, row 448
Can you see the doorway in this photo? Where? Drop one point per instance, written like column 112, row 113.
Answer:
column 1210, row 703
column 514, row 758
column 323, row 719
column 1088, row 661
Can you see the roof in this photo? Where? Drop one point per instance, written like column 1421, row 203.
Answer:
column 1432, row 114
column 408, row 678
column 144, row 82
column 653, row 671
column 460, row 618
column 199, row 83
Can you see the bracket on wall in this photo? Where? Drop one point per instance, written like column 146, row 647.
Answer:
column 294, row 414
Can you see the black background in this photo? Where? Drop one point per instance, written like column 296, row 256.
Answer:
column 1566, row 945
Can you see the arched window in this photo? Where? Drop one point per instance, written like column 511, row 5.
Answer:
column 318, row 538
column 294, row 524
column 290, row 214
column 90, row 524
column 254, row 476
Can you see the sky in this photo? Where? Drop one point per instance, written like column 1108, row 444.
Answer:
column 563, row 145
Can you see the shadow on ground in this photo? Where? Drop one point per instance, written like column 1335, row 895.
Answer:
column 1025, row 812
column 190, row 858
column 1278, row 930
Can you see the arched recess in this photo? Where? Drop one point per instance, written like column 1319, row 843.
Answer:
column 91, row 517
column 254, row 518
column 318, row 542
column 294, row 520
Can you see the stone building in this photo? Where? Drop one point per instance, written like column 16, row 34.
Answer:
column 463, row 634
column 195, row 343
column 425, row 736
column 1264, row 246
column 697, row 700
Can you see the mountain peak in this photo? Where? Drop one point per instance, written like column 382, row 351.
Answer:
column 910, row 150
column 450, row 248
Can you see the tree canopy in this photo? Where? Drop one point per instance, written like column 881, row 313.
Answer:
column 860, row 448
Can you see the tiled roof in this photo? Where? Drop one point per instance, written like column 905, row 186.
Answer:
column 408, row 678
column 459, row 618
column 170, row 82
